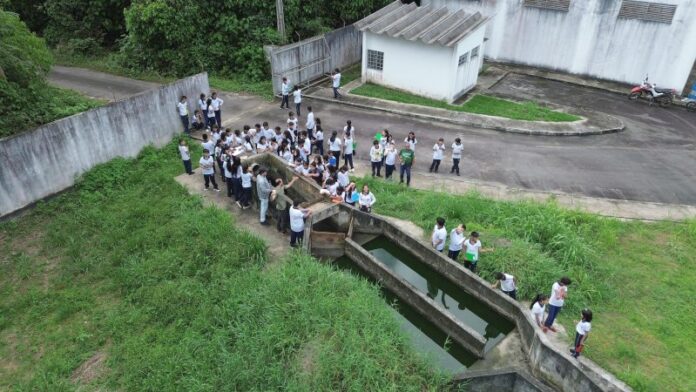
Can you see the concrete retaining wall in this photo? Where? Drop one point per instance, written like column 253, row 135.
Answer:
column 47, row 160
column 462, row 334
column 309, row 59
column 499, row 380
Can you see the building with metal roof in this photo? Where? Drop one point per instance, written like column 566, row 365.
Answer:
column 428, row 50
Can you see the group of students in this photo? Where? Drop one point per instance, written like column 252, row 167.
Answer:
column 208, row 112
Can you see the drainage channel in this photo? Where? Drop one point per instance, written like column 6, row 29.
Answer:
column 425, row 337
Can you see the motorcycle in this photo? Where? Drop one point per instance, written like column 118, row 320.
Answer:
column 691, row 106
column 663, row 96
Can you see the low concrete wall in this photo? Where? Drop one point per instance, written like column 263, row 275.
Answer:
column 499, row 380
column 459, row 332
column 311, row 58
column 47, row 160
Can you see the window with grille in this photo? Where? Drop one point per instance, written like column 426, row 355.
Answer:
column 375, row 60
column 554, row 5
column 464, row 58
column 474, row 52
column 647, row 11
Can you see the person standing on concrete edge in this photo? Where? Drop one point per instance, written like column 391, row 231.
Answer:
column 507, row 283
column 336, row 83
column 310, row 124
column 185, row 156
column 438, row 154
column 281, row 204
column 406, row 159
column 297, row 99
column 207, row 164
column 297, row 223
column 182, row 109
column 284, row 92
column 457, row 148
column 439, row 235
column 263, row 188
column 582, row 331
column 217, row 105
column 456, row 241
column 559, row 291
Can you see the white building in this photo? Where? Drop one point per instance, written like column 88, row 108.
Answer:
column 430, row 51
column 621, row 40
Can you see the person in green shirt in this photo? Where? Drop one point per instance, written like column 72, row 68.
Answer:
column 406, row 158
column 281, row 204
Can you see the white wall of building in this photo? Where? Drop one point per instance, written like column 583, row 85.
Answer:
column 467, row 74
column 589, row 39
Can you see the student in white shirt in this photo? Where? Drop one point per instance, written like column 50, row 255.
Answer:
column 507, row 284
column 202, row 106
column 208, row 144
column 348, row 151
column 439, row 236
column 582, row 331
column 262, row 146
column 217, row 105
column 456, row 242
column 207, row 163
column 538, row 307
column 366, row 200
column 390, row 155
column 457, row 148
column 248, row 145
column 343, row 177
column 438, row 154
column 284, row 91
column 411, row 140
column 297, row 223
column 473, row 247
column 319, row 138
column 182, row 109
column 310, row 124
column 210, row 113
column 336, row 83
column 297, row 99
column 335, row 146
column 247, row 176
column 185, row 156
column 376, row 153
column 292, row 123
column 559, row 292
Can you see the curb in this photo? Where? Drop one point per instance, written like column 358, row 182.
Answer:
column 520, row 131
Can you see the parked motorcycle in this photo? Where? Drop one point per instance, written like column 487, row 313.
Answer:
column 663, row 96
column 691, row 105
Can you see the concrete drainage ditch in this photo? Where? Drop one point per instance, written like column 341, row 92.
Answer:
column 491, row 339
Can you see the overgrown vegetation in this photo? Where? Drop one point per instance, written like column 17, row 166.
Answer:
column 479, row 104
column 25, row 97
column 636, row 277
column 130, row 266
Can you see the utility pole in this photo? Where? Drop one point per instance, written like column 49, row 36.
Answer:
column 280, row 16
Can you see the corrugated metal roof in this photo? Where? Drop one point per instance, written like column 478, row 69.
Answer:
column 426, row 24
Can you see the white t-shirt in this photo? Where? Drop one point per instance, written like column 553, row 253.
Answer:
column 367, row 200
column 473, row 249
column 438, row 151
column 457, row 150
column 412, row 143
column 319, row 135
column 207, row 165
column 456, row 240
column 390, row 157
column 246, row 180
column 211, row 111
column 261, row 147
column 538, row 311
column 583, row 327
column 337, row 80
column 183, row 108
column 343, row 179
column 217, row 102
column 297, row 96
column 228, row 173
column 557, row 300
column 201, row 105
column 310, row 121
column 348, row 142
column 508, row 284
column 292, row 123
column 296, row 220
column 184, row 151
column 376, row 153
column 335, row 145
column 439, row 234
column 285, row 88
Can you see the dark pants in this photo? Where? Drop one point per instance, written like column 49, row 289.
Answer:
column 366, row 209
column 185, row 122
column 237, row 182
column 471, row 266
column 435, row 165
column 297, row 111
column 453, row 254
column 296, row 238
column 230, row 186
column 246, row 197
column 376, row 169
column 348, row 160
column 389, row 170
column 455, row 165
column 210, row 122
column 187, row 166
column 512, row 294
column 282, row 219
column 337, row 154
column 405, row 169
column 218, row 118
column 320, row 147
column 575, row 352
column 553, row 312
column 208, row 178
column 285, row 102
column 336, row 93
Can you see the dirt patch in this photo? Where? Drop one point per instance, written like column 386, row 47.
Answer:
column 91, row 369
column 307, row 357
column 9, row 364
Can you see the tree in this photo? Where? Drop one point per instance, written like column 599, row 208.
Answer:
column 24, row 58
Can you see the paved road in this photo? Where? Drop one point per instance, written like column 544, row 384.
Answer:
column 653, row 160
column 97, row 84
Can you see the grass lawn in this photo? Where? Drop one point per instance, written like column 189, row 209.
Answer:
column 56, row 103
column 131, row 274
column 479, row 104
column 636, row 277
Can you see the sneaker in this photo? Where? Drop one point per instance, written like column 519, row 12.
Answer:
column 217, row 190
column 352, row 170
column 205, row 189
column 190, row 174
column 239, row 204
column 265, row 223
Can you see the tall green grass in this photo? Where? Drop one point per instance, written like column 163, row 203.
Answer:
column 179, row 298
